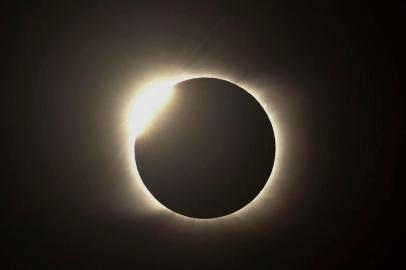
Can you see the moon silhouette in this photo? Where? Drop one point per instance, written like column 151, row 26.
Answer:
column 209, row 152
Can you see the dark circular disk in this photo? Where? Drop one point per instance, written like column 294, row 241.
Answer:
column 209, row 151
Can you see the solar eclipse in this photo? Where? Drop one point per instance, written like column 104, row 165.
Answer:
column 201, row 135
column 204, row 147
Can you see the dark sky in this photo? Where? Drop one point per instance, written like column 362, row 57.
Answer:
column 331, row 71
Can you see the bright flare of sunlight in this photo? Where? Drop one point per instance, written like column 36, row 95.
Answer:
column 148, row 104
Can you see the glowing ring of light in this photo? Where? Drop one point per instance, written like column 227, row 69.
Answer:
column 146, row 104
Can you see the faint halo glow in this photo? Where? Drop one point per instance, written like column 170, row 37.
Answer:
column 140, row 113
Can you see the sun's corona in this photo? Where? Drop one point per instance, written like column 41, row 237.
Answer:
column 149, row 101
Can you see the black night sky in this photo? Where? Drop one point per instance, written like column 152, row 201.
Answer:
column 329, row 74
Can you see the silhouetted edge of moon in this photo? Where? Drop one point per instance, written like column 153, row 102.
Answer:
column 204, row 104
